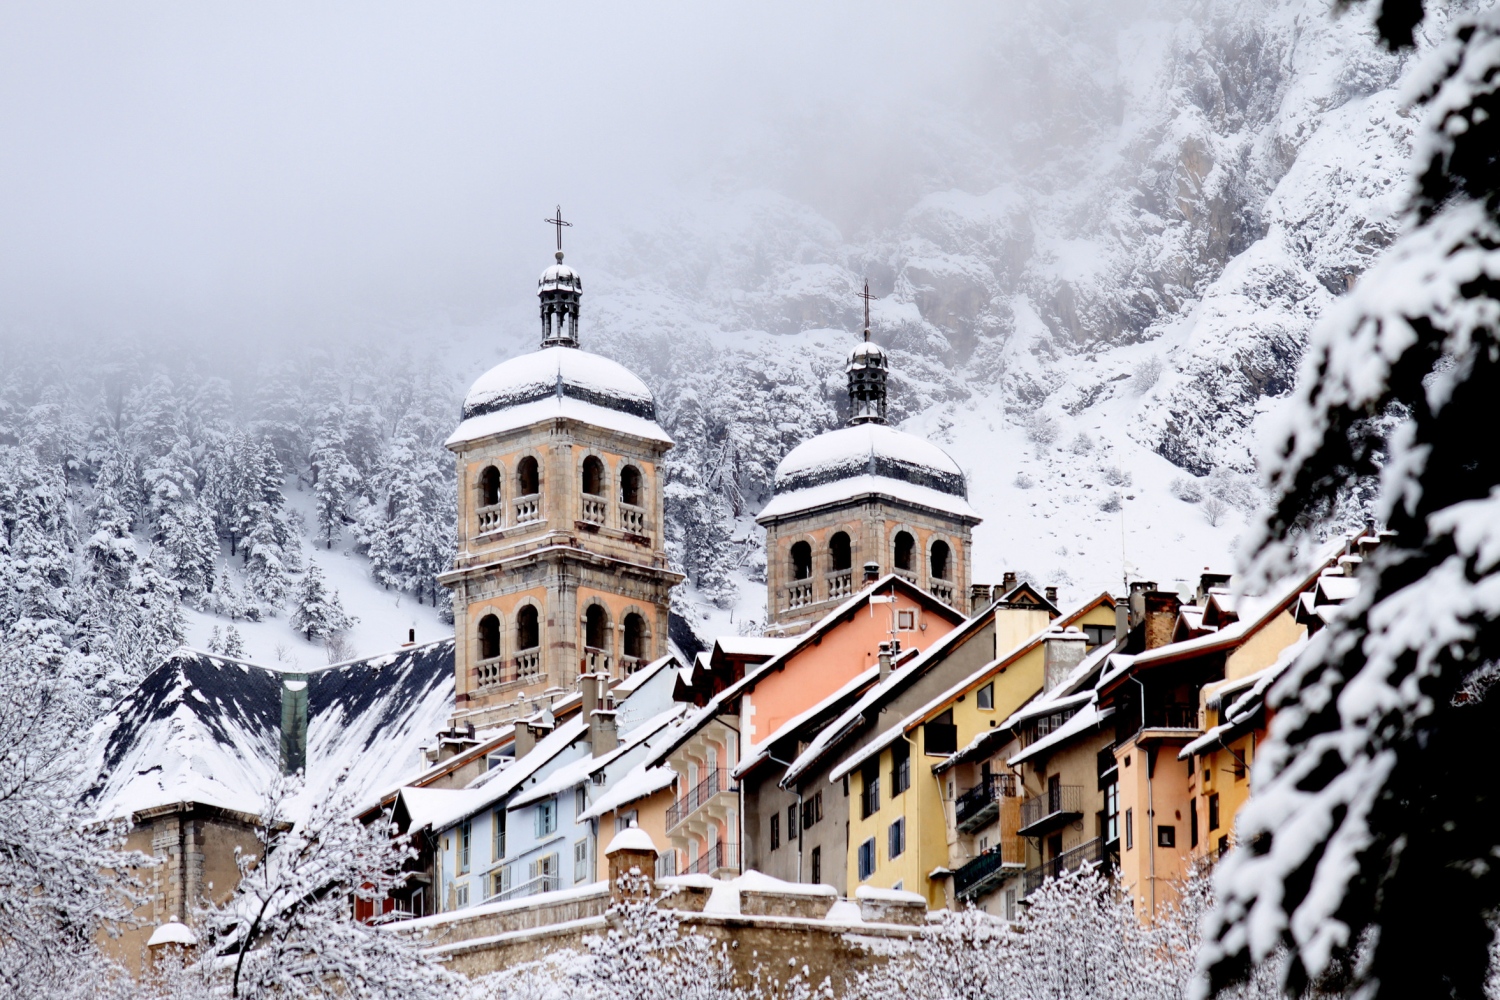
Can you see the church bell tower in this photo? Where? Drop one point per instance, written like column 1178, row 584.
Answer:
column 562, row 565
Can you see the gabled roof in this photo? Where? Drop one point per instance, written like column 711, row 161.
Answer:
column 815, row 635
column 207, row 729
column 583, row 770
column 870, row 704
column 817, row 715
column 936, row 705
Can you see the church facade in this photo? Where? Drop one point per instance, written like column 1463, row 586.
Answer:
column 562, row 566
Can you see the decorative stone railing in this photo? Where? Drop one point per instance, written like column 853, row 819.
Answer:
column 529, row 665
column 594, row 510
column 630, row 664
column 491, row 517
column 528, row 508
column 942, row 591
column 799, row 595
column 840, row 584
column 597, row 659
column 632, row 519
column 490, row 672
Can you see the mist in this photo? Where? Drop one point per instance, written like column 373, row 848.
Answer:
column 205, row 171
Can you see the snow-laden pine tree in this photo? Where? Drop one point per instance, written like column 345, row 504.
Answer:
column 316, row 610
column 289, row 929
column 1369, row 847
column 335, row 480
column 234, row 643
column 183, row 528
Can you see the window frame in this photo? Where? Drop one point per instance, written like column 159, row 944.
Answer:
column 546, row 817
column 984, row 697
column 895, row 835
column 866, row 859
column 464, row 844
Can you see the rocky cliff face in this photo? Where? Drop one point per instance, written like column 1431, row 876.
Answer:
column 1120, row 268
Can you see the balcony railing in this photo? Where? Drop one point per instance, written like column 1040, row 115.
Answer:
column 980, row 804
column 597, row 660
column 1089, row 853
column 1058, row 805
column 984, row 874
column 719, row 856
column 630, row 664
column 942, row 591
column 595, row 510
column 1172, row 717
column 489, row 672
column 840, row 584
column 531, row 887
column 491, row 517
column 528, row 508
column 632, row 519
column 712, row 784
column 799, row 595
column 528, row 665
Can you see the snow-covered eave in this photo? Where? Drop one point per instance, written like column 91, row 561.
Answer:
column 1091, row 716
column 854, row 716
column 546, row 750
column 820, row 628
column 859, row 489
column 760, row 752
column 583, row 770
column 644, row 780
column 919, row 716
column 864, row 753
column 542, row 411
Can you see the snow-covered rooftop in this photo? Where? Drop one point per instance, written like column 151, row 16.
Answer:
column 558, row 382
column 868, row 458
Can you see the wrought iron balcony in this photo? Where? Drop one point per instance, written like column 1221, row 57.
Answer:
column 984, row 874
column 717, row 857
column 712, row 784
column 1089, row 853
column 981, row 804
column 1058, row 806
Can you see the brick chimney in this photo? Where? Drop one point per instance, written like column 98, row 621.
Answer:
column 1160, row 616
column 1007, row 583
column 1062, row 650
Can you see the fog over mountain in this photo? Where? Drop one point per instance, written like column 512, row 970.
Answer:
column 1100, row 234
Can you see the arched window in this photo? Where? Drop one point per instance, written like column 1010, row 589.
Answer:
column 839, row 551
column 630, row 485
column 489, row 637
column 489, row 486
column 635, row 636
column 801, row 561
column 594, row 621
column 905, row 546
column 528, row 477
column 593, row 476
column 528, row 628
column 939, row 560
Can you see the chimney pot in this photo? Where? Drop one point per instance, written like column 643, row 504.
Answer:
column 872, row 572
column 885, row 660
column 979, row 595
column 1051, row 593
column 1008, row 582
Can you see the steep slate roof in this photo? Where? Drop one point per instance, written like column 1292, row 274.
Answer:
column 207, row 729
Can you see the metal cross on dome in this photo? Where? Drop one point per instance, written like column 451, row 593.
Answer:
column 868, row 299
column 557, row 223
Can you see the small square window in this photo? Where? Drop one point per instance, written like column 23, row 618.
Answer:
column 906, row 621
column 985, row 697
column 1166, row 836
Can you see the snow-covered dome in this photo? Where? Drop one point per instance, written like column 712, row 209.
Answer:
column 867, row 353
column 868, row 458
column 558, row 381
column 559, row 277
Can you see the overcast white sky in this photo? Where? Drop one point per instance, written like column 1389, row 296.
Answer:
column 198, row 165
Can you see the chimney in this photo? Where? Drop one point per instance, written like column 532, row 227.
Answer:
column 872, row 572
column 885, row 660
column 1051, row 593
column 525, row 740
column 411, row 638
column 1160, row 616
column 1007, row 583
column 604, row 735
column 979, row 595
column 1209, row 581
column 1122, row 622
column 1062, row 650
column 1137, row 600
column 293, row 723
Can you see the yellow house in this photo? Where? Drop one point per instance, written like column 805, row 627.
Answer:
column 899, row 807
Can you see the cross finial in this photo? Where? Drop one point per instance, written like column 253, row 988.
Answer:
column 557, row 223
column 868, row 298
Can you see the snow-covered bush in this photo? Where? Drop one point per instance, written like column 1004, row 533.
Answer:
column 1023, row 481
column 1115, row 476
column 1146, row 374
column 1082, row 444
column 1041, row 428
column 1185, row 489
column 1111, row 503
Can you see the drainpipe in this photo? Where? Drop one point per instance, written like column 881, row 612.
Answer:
column 1150, row 801
column 800, row 825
